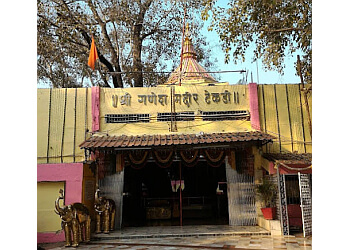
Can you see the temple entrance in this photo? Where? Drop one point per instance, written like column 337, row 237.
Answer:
column 152, row 195
column 209, row 175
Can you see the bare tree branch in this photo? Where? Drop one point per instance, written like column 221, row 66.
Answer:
column 282, row 30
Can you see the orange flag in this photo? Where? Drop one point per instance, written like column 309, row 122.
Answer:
column 93, row 55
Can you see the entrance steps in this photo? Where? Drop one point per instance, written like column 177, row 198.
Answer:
column 178, row 231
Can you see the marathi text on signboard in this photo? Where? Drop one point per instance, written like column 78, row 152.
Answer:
column 187, row 98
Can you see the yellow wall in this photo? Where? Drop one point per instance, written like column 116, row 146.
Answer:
column 154, row 127
column 283, row 114
column 63, row 115
column 48, row 220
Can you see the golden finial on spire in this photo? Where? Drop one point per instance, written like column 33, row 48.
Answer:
column 187, row 31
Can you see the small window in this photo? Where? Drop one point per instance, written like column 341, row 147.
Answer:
column 126, row 118
column 225, row 115
column 180, row 116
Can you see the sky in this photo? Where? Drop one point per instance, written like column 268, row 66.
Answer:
column 254, row 69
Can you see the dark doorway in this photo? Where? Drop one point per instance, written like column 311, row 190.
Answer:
column 293, row 204
column 152, row 195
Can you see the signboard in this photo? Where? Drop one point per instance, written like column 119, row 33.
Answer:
column 159, row 99
column 187, row 98
column 131, row 110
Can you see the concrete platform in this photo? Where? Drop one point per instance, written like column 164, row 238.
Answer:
column 190, row 238
column 178, row 231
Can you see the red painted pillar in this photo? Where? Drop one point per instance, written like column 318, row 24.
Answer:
column 254, row 105
column 95, row 108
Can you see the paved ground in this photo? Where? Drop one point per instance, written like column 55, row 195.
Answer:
column 197, row 242
column 184, row 231
column 191, row 237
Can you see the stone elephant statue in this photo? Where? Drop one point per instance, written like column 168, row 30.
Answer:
column 105, row 213
column 75, row 220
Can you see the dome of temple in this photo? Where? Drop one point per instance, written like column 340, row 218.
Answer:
column 192, row 71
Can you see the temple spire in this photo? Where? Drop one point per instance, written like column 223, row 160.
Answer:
column 190, row 70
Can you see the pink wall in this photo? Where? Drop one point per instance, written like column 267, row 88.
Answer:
column 254, row 105
column 95, row 108
column 72, row 174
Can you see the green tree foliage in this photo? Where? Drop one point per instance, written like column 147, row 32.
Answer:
column 275, row 27
column 130, row 36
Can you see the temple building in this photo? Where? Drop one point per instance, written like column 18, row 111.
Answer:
column 188, row 152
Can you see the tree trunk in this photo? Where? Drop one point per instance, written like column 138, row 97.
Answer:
column 137, row 43
column 117, row 79
column 136, row 55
